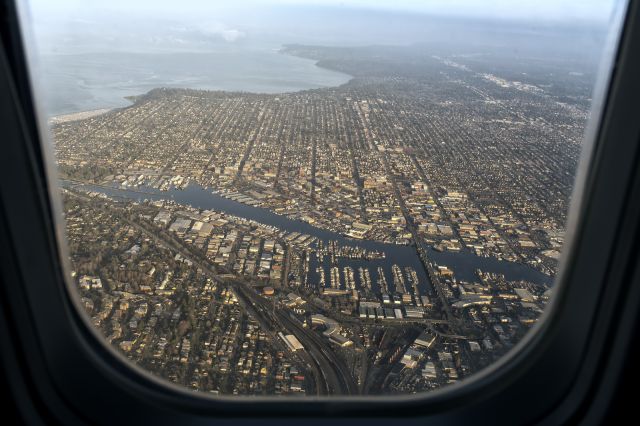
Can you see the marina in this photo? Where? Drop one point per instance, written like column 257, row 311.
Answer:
column 463, row 263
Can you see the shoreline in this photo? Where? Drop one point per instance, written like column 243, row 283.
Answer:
column 82, row 115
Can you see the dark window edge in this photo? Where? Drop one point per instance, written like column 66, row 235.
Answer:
column 325, row 406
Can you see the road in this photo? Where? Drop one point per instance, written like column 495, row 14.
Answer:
column 332, row 376
column 422, row 250
column 338, row 380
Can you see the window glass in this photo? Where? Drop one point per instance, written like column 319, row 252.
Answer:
column 335, row 198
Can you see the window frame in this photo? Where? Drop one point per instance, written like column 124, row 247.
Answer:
column 70, row 373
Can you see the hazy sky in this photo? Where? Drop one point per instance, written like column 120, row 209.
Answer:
column 597, row 10
column 547, row 9
column 151, row 25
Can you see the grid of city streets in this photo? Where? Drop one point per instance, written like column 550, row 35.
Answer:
column 392, row 235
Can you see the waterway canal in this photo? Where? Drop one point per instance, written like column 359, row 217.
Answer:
column 463, row 263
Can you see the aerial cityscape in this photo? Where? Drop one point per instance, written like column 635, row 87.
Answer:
column 391, row 235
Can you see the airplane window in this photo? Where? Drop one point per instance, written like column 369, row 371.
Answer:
column 337, row 198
